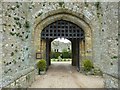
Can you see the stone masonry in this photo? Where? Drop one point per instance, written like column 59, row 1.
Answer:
column 23, row 22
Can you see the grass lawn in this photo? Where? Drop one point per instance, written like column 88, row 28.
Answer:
column 63, row 60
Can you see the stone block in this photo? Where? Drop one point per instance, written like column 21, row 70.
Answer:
column 110, row 82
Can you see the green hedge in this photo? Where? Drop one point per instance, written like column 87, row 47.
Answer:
column 64, row 55
column 55, row 55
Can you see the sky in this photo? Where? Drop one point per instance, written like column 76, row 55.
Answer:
column 62, row 40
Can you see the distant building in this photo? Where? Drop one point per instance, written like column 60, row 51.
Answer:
column 58, row 46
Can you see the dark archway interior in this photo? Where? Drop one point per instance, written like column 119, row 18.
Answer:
column 63, row 29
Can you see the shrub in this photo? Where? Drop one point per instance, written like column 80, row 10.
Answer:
column 87, row 65
column 64, row 54
column 41, row 65
column 55, row 55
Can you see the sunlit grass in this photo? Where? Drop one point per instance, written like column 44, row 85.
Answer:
column 62, row 60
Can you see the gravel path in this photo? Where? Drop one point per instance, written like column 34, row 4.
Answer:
column 63, row 75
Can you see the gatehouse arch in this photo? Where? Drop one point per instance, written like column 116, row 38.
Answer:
column 85, row 46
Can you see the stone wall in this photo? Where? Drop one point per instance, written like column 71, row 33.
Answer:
column 109, row 44
column 18, row 52
column 24, row 21
column 22, row 79
column 0, row 42
column 66, row 14
column 103, row 20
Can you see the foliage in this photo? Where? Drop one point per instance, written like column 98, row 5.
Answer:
column 55, row 55
column 87, row 65
column 64, row 50
column 64, row 54
column 41, row 65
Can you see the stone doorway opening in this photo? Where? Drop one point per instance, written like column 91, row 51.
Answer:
column 65, row 29
column 61, row 51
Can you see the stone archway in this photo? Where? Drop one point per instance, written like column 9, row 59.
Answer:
column 65, row 29
column 46, row 19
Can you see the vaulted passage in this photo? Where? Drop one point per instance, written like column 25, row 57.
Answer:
column 64, row 29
